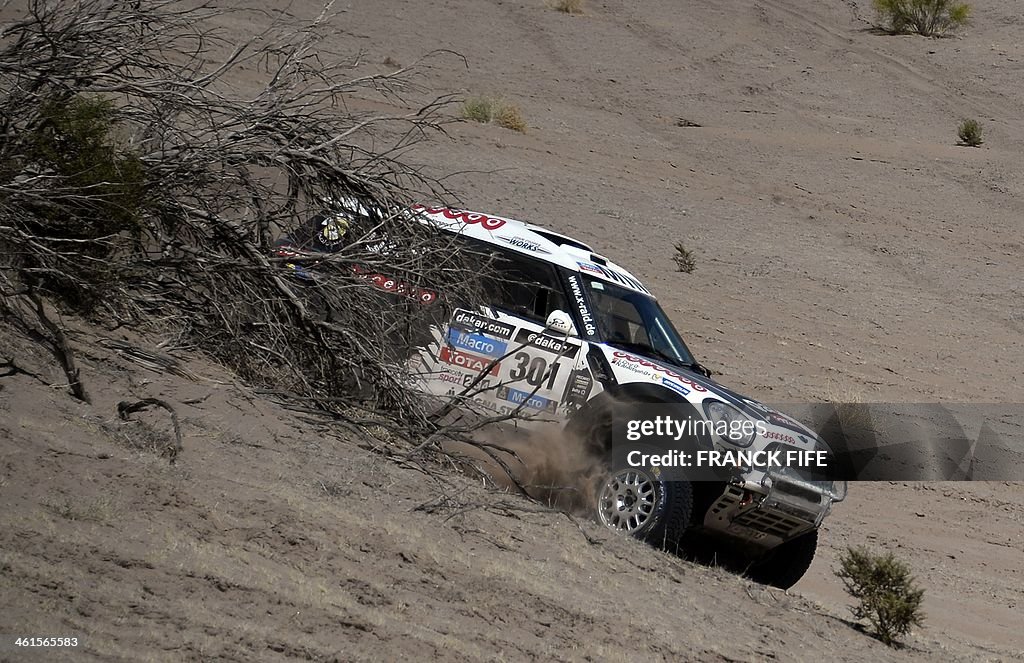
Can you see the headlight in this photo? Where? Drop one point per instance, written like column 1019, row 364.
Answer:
column 729, row 424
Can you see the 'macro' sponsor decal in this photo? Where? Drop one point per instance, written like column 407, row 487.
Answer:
column 476, row 343
column 486, row 222
column 527, row 399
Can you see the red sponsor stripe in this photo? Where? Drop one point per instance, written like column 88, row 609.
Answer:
column 391, row 284
column 649, row 364
column 486, row 222
column 772, row 435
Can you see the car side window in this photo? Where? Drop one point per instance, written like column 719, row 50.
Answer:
column 524, row 287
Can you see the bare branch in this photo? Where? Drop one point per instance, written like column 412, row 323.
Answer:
column 125, row 408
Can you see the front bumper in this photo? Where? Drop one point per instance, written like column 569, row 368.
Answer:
column 778, row 506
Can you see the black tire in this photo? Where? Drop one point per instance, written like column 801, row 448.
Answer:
column 783, row 566
column 635, row 502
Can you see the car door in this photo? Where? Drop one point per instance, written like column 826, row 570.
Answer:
column 500, row 358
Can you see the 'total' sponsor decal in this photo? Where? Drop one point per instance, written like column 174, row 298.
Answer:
column 466, row 360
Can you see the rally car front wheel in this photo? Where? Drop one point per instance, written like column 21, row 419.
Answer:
column 783, row 566
column 634, row 502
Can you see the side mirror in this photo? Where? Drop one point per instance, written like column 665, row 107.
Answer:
column 560, row 323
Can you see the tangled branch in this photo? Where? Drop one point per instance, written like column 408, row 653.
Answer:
column 148, row 164
column 124, row 408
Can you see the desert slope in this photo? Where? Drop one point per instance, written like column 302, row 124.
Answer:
column 846, row 248
column 274, row 537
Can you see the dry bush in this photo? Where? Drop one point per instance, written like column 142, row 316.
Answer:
column 510, row 117
column 851, row 412
column 969, row 133
column 569, row 6
column 140, row 187
column 685, row 260
column 924, row 17
column 99, row 509
column 487, row 110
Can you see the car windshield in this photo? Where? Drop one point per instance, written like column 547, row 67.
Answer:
column 633, row 321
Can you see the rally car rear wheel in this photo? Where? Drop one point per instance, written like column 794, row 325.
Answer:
column 634, row 502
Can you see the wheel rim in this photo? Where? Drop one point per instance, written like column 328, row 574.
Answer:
column 626, row 502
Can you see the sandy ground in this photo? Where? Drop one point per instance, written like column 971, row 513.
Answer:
column 274, row 538
column 846, row 248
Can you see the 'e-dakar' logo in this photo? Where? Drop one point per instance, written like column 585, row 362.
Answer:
column 468, row 361
column 545, row 342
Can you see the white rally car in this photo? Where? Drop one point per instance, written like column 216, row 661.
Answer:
column 570, row 335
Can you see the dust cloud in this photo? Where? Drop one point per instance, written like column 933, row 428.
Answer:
column 551, row 464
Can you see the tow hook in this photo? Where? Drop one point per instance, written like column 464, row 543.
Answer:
column 747, row 499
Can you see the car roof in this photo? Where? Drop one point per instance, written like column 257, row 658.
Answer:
column 532, row 240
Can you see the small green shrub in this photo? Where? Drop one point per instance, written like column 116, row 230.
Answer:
column 686, row 261
column 569, row 6
column 888, row 596
column 105, row 184
column 478, row 109
column 96, row 195
column 969, row 133
column 487, row 110
column 925, row 17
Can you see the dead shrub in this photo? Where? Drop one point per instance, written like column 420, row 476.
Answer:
column 685, row 259
column 569, row 6
column 488, row 110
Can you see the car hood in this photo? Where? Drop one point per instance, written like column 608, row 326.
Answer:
column 685, row 385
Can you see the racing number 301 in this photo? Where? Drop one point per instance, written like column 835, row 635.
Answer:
column 534, row 370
